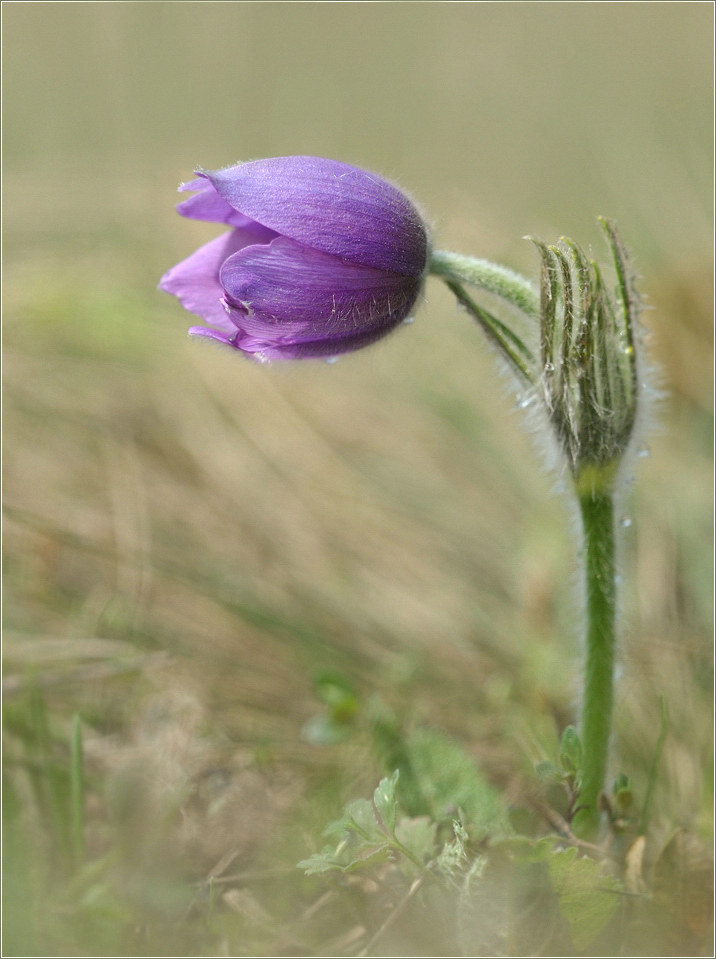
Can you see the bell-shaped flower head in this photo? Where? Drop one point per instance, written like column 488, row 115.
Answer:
column 322, row 258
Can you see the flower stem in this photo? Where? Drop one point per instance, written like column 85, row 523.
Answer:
column 499, row 280
column 597, row 508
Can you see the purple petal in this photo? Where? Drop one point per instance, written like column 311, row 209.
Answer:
column 266, row 352
column 298, row 301
column 206, row 204
column 331, row 207
column 206, row 333
column 195, row 281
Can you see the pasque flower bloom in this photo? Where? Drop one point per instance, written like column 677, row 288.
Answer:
column 322, row 258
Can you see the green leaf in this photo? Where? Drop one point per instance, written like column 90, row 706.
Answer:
column 546, row 770
column 570, row 751
column 385, row 802
column 320, row 862
column 587, row 895
column 360, row 818
column 330, row 860
column 372, row 858
column 449, row 780
column 418, row 836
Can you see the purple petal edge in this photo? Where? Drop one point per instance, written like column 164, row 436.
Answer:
column 329, row 206
column 207, row 205
column 208, row 334
column 195, row 281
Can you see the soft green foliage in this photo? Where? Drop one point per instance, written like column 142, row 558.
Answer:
column 449, row 779
column 547, row 770
column 417, row 835
column 453, row 856
column 368, row 833
column 588, row 896
column 585, row 893
column 329, row 860
column 508, row 343
column 56, row 785
column 590, row 365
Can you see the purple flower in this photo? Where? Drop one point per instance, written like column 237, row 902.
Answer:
column 322, row 258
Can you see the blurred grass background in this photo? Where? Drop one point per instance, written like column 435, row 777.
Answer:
column 193, row 543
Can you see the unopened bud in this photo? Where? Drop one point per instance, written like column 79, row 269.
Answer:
column 588, row 357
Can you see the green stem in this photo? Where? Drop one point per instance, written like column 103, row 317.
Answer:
column 499, row 280
column 597, row 508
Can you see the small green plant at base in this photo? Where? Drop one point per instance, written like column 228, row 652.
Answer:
column 372, row 837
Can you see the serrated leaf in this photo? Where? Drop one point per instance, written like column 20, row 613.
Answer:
column 570, row 751
column 360, row 818
column 385, row 802
column 418, row 836
column 328, row 861
column 382, row 854
column 587, row 894
column 449, row 779
column 320, row 862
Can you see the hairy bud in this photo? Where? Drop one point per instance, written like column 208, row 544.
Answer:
column 588, row 357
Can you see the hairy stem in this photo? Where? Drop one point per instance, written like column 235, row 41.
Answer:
column 597, row 508
column 499, row 280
